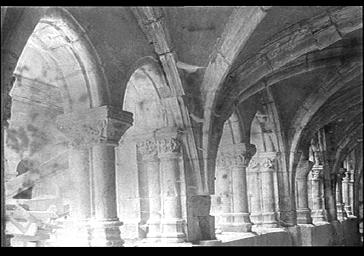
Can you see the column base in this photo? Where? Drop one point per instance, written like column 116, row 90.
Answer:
column 105, row 233
column 210, row 243
column 218, row 230
column 348, row 211
column 256, row 218
column 269, row 220
column 71, row 233
column 8, row 238
column 154, row 228
column 173, row 231
column 304, row 216
column 206, row 226
column 239, row 222
column 318, row 216
column 132, row 229
column 341, row 214
column 288, row 218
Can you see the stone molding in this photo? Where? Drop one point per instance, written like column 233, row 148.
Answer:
column 103, row 124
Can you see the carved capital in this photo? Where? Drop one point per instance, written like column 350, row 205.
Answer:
column 347, row 176
column 168, row 147
column 169, row 142
column 341, row 174
column 253, row 165
column 239, row 154
column 148, row 149
column 104, row 124
column 317, row 173
column 268, row 161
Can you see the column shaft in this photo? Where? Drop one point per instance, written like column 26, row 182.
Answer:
column 154, row 221
column 346, row 195
column 318, row 211
column 99, row 129
column 103, row 157
column 172, row 222
column 269, row 214
column 223, row 192
column 339, row 201
column 238, row 156
column 75, row 230
column 255, row 207
column 105, row 224
column 303, row 211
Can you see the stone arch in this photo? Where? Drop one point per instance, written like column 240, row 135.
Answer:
column 231, row 135
column 272, row 57
column 242, row 19
column 346, row 145
column 266, row 134
column 263, row 136
column 144, row 99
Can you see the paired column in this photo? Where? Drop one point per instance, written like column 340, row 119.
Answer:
column 267, row 171
column 341, row 214
column 318, row 211
column 148, row 150
column 238, row 157
column 169, row 152
column 346, row 186
column 303, row 211
column 98, row 130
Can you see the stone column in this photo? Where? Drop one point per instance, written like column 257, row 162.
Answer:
column 341, row 214
column 256, row 201
column 99, row 129
column 351, row 191
column 303, row 210
column 148, row 150
column 267, row 170
column 346, row 193
column 223, row 192
column 169, row 153
column 238, row 157
column 318, row 211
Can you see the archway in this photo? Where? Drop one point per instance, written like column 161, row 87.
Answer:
column 56, row 73
column 140, row 178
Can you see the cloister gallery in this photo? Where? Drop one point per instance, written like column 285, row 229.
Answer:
column 182, row 126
